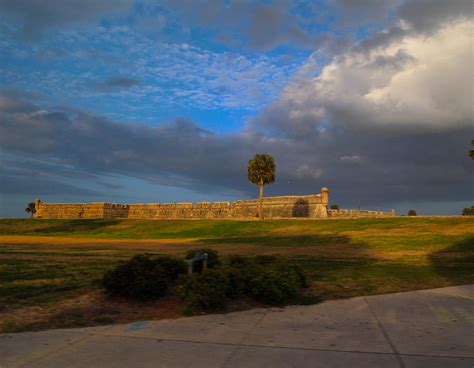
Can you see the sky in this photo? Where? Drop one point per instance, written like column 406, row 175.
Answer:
column 166, row 101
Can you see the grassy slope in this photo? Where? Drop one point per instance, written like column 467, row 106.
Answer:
column 173, row 229
column 344, row 257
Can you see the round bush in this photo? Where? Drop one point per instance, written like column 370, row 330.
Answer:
column 139, row 278
column 411, row 213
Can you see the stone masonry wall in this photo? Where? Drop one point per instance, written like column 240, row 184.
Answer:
column 310, row 206
column 69, row 210
column 359, row 213
column 273, row 207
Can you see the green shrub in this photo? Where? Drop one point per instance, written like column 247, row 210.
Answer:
column 173, row 266
column 411, row 213
column 212, row 258
column 274, row 284
column 270, row 279
column 300, row 274
column 282, row 263
column 236, row 285
column 205, row 291
column 468, row 211
column 334, row 207
column 139, row 278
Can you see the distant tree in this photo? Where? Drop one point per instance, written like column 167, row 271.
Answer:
column 411, row 213
column 471, row 152
column 31, row 208
column 261, row 171
column 334, row 207
column 468, row 211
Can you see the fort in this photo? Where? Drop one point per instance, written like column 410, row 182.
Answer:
column 307, row 206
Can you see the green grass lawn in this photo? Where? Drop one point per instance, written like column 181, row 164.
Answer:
column 48, row 262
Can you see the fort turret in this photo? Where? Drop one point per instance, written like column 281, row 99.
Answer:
column 324, row 196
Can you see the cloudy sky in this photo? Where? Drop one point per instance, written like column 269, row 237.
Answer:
column 164, row 101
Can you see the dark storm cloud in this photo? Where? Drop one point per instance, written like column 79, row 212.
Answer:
column 427, row 15
column 37, row 187
column 368, row 10
column 360, row 167
column 38, row 16
column 19, row 175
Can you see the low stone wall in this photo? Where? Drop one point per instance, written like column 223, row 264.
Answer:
column 359, row 213
column 309, row 206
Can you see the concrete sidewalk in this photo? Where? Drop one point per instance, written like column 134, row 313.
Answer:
column 430, row 328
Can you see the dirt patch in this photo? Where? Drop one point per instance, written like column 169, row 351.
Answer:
column 94, row 308
column 87, row 310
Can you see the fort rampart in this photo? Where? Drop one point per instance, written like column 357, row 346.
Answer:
column 309, row 206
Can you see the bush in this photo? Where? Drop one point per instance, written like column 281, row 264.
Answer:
column 411, row 213
column 282, row 263
column 334, row 207
column 236, row 285
column 468, row 211
column 206, row 291
column 173, row 266
column 139, row 278
column 274, row 284
column 300, row 274
column 212, row 258
column 270, row 279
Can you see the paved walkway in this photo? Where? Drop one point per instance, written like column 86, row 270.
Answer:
column 431, row 328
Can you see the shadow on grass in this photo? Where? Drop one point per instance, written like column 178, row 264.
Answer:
column 455, row 263
column 74, row 226
column 289, row 241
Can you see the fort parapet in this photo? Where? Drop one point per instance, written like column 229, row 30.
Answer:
column 308, row 206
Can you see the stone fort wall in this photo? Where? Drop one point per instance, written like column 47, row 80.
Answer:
column 309, row 206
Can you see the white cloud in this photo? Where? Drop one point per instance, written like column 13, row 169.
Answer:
column 416, row 83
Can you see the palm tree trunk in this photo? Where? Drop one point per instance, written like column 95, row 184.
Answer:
column 260, row 208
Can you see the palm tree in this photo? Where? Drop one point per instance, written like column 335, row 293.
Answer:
column 261, row 171
column 31, row 208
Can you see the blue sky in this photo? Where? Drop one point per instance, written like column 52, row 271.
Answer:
column 153, row 101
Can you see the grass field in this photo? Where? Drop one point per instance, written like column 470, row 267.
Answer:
column 50, row 269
